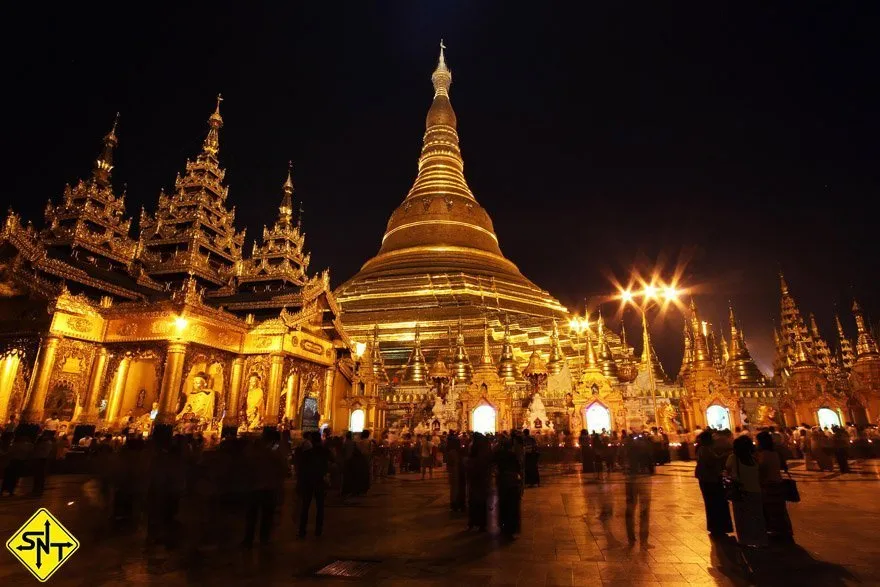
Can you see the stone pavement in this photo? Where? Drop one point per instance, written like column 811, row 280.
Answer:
column 402, row 533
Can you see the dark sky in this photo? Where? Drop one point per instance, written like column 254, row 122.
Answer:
column 742, row 139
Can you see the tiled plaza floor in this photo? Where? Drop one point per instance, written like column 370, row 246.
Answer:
column 404, row 531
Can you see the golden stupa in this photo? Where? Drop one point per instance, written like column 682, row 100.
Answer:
column 440, row 263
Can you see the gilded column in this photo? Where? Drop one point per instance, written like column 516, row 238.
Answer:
column 273, row 401
column 327, row 408
column 292, row 395
column 89, row 415
column 171, row 380
column 115, row 401
column 233, row 404
column 33, row 412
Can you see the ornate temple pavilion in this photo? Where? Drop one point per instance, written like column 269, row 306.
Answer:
column 177, row 326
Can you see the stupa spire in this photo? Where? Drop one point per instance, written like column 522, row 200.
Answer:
column 847, row 356
column 649, row 355
column 104, row 163
column 211, row 146
column 701, row 355
column 557, row 358
column 591, row 360
column 285, row 210
column 416, row 367
column 507, row 362
column 461, row 363
column 486, row 354
column 865, row 343
column 442, row 76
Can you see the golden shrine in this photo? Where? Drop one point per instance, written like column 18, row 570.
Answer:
column 174, row 329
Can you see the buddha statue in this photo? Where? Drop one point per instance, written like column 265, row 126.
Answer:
column 254, row 409
column 200, row 401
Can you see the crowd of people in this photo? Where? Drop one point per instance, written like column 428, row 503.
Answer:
column 147, row 479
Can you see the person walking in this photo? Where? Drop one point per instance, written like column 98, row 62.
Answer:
column 530, row 455
column 748, row 510
column 426, row 454
column 19, row 453
column 455, row 467
column 43, row 453
column 709, row 471
column 478, row 464
column 509, row 489
column 311, row 484
column 772, row 492
column 639, row 466
column 840, row 441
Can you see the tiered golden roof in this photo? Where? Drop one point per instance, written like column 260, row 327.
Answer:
column 193, row 232
column 845, row 348
column 90, row 223
column 866, row 346
column 280, row 260
column 740, row 368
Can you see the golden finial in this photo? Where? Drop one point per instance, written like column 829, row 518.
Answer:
column 288, row 184
column 104, row 163
column 285, row 210
column 865, row 343
column 783, row 285
column 442, row 76
column 211, row 145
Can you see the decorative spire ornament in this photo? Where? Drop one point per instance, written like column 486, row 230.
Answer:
column 211, row 146
column 104, row 163
column 557, row 358
column 866, row 346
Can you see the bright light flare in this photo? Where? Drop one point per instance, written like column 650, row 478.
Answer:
column 626, row 295
column 181, row 323
column 650, row 292
column 359, row 348
column 670, row 293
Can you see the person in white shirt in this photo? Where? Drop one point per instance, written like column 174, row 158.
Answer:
column 52, row 424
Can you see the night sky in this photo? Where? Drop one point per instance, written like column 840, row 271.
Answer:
column 742, row 140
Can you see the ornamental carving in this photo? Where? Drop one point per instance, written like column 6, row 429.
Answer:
column 311, row 347
column 79, row 324
column 129, row 329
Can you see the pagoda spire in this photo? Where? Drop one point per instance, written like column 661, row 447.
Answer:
column 416, row 366
column 701, row 355
column 486, row 354
column 734, row 334
column 557, row 358
column 285, row 210
column 649, row 360
column 461, row 363
column 821, row 351
column 783, row 285
column 591, row 360
column 104, row 163
column 507, row 362
column 866, row 346
column 377, row 363
column 606, row 358
column 847, row 357
column 688, row 357
column 211, row 146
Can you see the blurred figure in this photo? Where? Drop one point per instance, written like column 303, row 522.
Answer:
column 772, row 493
column 455, row 467
column 639, row 466
column 748, row 510
column 478, row 464
column 509, row 489
column 530, row 455
column 42, row 456
column 426, row 454
column 266, row 473
column 709, row 472
column 311, row 483
column 840, row 441
column 19, row 453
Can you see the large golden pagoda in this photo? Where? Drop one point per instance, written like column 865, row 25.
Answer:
column 440, row 263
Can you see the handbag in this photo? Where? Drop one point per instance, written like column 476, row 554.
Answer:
column 732, row 488
column 790, row 490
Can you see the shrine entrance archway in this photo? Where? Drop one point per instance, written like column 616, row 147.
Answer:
column 484, row 418
column 597, row 418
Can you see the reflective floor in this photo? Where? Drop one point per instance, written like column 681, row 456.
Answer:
column 402, row 533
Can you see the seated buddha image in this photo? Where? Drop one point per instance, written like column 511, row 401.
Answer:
column 254, row 402
column 200, row 401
